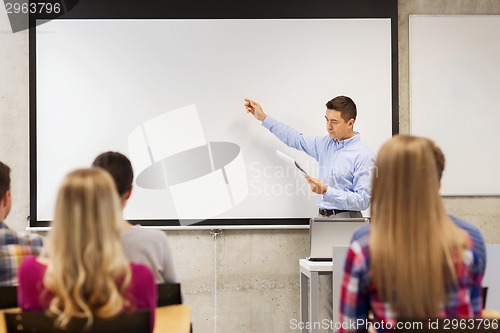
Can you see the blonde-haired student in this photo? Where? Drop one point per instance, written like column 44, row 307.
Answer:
column 85, row 272
column 412, row 261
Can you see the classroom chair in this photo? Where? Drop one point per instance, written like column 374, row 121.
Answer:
column 168, row 294
column 8, row 297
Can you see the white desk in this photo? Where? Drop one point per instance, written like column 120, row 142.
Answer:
column 311, row 270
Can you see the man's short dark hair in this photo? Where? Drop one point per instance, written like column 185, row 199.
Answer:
column 345, row 106
column 4, row 179
column 120, row 168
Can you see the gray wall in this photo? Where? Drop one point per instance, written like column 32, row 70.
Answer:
column 247, row 280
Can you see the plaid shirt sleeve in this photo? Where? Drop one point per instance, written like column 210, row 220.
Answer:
column 354, row 296
column 14, row 247
column 466, row 298
column 476, row 281
column 476, row 294
column 478, row 267
column 475, row 264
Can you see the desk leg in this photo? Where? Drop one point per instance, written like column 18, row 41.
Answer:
column 313, row 300
column 336, row 296
column 304, row 306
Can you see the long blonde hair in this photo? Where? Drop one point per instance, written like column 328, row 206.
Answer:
column 414, row 246
column 87, row 272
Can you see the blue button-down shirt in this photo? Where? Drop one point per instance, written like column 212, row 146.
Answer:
column 345, row 166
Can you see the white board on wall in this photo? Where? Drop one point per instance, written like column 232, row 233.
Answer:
column 455, row 97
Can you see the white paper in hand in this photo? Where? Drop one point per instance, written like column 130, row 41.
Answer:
column 290, row 161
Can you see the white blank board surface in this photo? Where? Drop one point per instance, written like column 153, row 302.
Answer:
column 455, row 97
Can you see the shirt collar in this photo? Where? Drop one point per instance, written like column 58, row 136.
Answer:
column 3, row 225
column 349, row 141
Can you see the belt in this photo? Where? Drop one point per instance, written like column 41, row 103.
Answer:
column 330, row 212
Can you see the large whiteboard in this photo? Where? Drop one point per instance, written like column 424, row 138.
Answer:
column 455, row 97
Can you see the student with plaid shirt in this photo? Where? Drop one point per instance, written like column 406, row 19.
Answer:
column 14, row 247
column 412, row 261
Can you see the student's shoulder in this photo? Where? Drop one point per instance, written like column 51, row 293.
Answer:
column 147, row 233
column 31, row 266
column 361, row 235
column 152, row 241
column 141, row 272
column 8, row 236
column 358, row 255
column 33, row 239
column 471, row 229
column 31, row 261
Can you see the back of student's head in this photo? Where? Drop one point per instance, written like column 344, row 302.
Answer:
column 406, row 169
column 413, row 243
column 119, row 167
column 439, row 157
column 4, row 179
column 84, row 248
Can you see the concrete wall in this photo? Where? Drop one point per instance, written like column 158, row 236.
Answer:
column 484, row 212
column 243, row 281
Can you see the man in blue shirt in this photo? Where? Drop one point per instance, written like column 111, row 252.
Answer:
column 345, row 163
column 345, row 166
